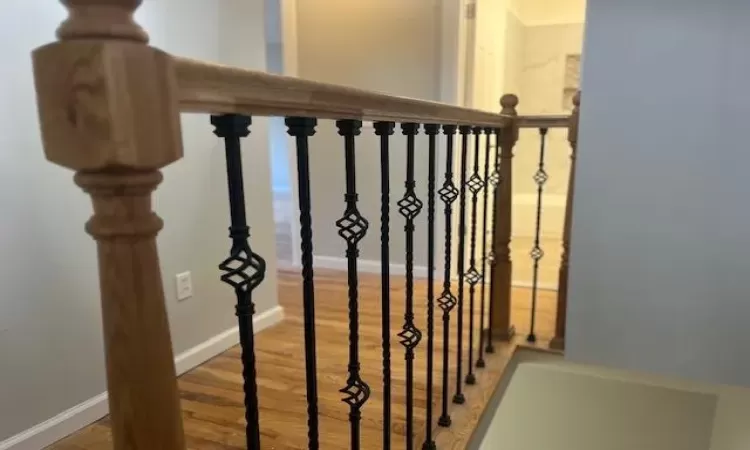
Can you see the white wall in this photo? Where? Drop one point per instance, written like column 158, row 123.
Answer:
column 50, row 333
column 488, row 54
column 659, row 268
column 521, row 48
column 550, row 12
column 542, row 80
column 454, row 29
column 281, row 181
column 383, row 45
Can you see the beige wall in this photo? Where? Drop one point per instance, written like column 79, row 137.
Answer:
column 535, row 58
column 50, row 324
column 520, row 47
column 541, row 92
column 550, row 12
column 454, row 28
column 493, row 48
column 488, row 50
column 514, row 53
column 385, row 45
column 507, row 56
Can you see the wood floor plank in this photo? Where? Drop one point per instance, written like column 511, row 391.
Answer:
column 211, row 394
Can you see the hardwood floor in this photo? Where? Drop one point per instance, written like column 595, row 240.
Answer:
column 211, row 394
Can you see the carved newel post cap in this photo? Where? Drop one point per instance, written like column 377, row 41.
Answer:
column 106, row 99
column 509, row 103
column 101, row 19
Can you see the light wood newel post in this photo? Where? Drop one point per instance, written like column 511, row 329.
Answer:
column 558, row 342
column 108, row 110
column 503, row 270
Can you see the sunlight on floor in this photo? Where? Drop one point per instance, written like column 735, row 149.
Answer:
column 583, row 407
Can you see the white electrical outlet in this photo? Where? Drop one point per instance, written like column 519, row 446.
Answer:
column 184, row 286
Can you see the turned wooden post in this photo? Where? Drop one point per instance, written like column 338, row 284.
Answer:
column 503, row 270
column 558, row 342
column 108, row 110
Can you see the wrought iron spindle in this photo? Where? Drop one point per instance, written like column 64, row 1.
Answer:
column 447, row 301
column 482, row 296
column 431, row 130
column 301, row 128
column 494, row 179
column 352, row 228
column 244, row 270
column 540, row 177
column 385, row 130
column 464, row 130
column 409, row 206
column 475, row 185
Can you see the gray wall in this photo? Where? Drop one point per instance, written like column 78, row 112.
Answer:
column 386, row 45
column 659, row 269
column 51, row 355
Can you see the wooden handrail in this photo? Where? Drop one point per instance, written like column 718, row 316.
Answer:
column 212, row 88
column 548, row 121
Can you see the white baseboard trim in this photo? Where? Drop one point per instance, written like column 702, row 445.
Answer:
column 366, row 265
column 371, row 266
column 528, row 284
column 52, row 430
column 550, row 200
column 523, row 284
column 206, row 350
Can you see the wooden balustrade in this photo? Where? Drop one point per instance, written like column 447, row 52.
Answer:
column 502, row 269
column 109, row 108
column 558, row 341
column 569, row 122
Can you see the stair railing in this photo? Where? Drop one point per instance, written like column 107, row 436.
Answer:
column 109, row 109
column 543, row 123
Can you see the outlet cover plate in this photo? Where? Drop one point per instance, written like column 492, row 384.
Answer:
column 184, row 286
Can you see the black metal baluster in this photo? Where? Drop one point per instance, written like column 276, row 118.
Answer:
column 431, row 130
column 475, row 185
column 409, row 206
column 352, row 228
column 464, row 130
column 244, row 270
column 385, row 130
column 301, row 128
column 480, row 359
column 447, row 301
column 540, row 177
column 494, row 179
